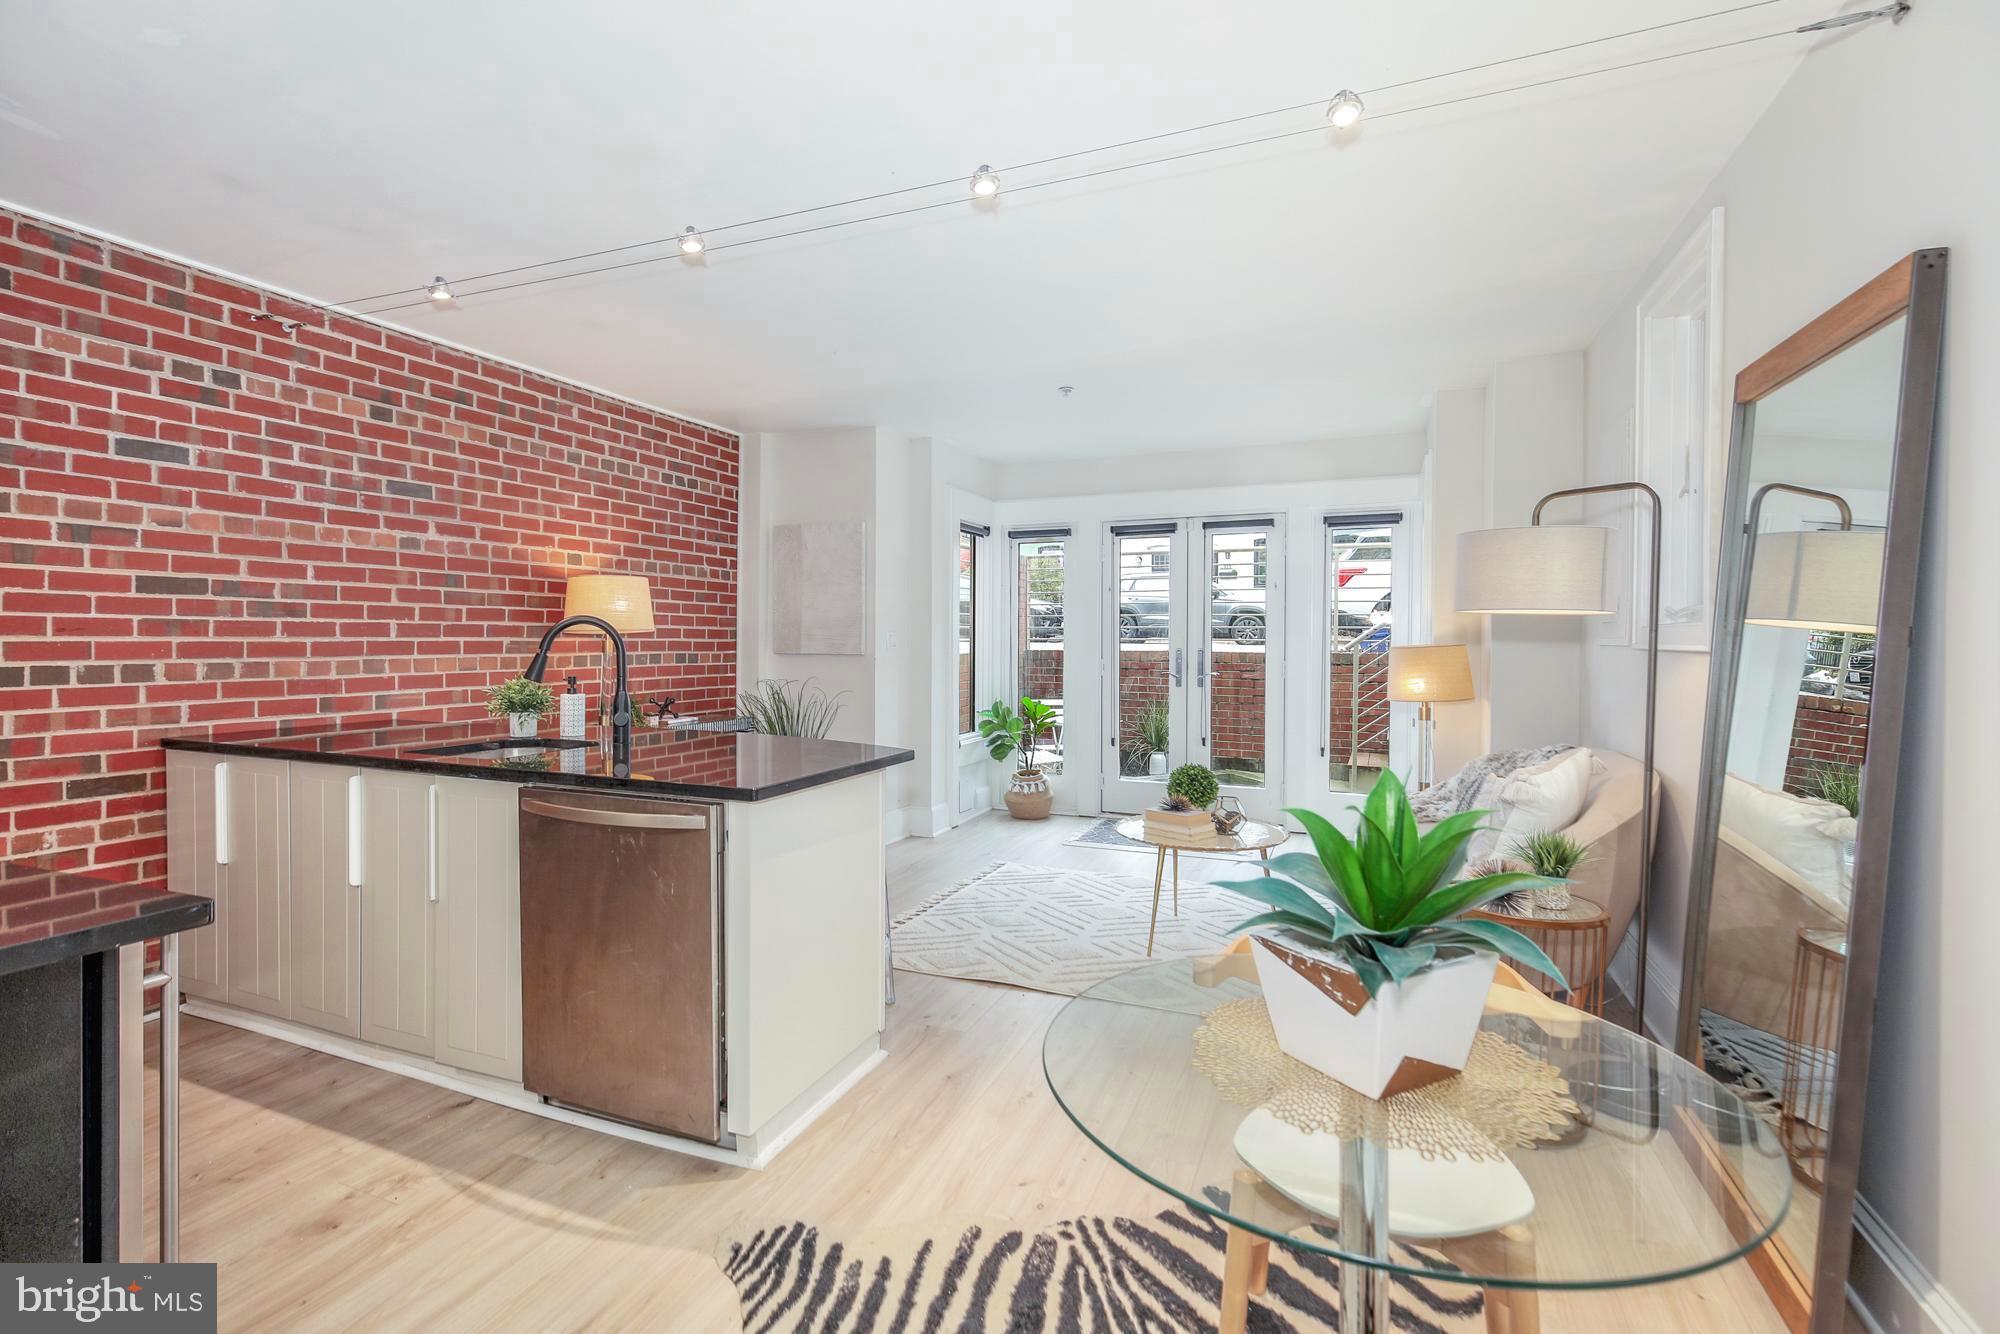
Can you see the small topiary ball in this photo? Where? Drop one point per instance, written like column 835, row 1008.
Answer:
column 1196, row 783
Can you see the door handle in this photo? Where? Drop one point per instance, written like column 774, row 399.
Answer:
column 431, row 843
column 1200, row 668
column 1177, row 667
column 222, row 813
column 620, row 819
column 353, row 830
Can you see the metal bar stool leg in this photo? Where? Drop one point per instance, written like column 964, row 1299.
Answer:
column 168, row 980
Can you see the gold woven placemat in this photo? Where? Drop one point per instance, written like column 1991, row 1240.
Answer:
column 1503, row 1099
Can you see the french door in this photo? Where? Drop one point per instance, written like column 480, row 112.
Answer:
column 1194, row 658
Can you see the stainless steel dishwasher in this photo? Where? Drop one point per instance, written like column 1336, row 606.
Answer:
column 621, row 964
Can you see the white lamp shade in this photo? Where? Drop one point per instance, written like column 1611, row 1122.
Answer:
column 1555, row 570
column 625, row 600
column 1827, row 580
column 1422, row 673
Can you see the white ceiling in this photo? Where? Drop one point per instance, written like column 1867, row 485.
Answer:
column 1299, row 290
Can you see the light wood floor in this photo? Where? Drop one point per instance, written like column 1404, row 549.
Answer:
column 334, row 1196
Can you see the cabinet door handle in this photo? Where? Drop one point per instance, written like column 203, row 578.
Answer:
column 222, row 813
column 431, row 842
column 353, row 830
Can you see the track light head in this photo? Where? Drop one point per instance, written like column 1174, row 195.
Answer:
column 438, row 290
column 984, row 183
column 1345, row 109
column 691, row 242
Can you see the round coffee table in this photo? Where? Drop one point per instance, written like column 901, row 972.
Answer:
column 1670, row 1175
column 1251, row 835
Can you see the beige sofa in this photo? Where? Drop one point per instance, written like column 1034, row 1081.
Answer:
column 1609, row 827
column 1756, row 911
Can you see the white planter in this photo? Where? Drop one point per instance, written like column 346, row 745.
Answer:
column 1156, row 765
column 1552, row 898
column 523, row 724
column 1408, row 1035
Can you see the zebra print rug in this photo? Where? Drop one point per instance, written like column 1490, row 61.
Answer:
column 1080, row 1276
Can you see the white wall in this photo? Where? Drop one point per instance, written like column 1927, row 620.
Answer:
column 1534, row 444
column 1494, row 451
column 1882, row 143
column 1305, row 461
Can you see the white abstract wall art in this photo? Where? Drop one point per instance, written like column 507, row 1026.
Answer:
column 819, row 588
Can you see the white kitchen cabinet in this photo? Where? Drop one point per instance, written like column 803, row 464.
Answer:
column 252, row 908
column 398, row 910
column 479, row 927
column 325, row 898
column 192, row 868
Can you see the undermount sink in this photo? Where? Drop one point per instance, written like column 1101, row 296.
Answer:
column 496, row 746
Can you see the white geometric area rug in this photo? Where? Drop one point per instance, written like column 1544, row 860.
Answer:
column 1059, row 929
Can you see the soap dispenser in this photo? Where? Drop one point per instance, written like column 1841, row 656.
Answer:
column 571, row 711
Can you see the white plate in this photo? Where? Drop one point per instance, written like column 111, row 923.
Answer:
column 1428, row 1198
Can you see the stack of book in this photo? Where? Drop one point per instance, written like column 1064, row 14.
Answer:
column 1180, row 829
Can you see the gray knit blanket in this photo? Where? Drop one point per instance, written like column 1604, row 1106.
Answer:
column 1461, row 792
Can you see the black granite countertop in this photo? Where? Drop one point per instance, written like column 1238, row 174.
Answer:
column 47, row 915
column 698, row 763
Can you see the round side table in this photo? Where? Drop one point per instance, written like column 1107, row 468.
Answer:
column 1577, row 940
column 1250, row 836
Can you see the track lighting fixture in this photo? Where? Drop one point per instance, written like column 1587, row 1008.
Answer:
column 438, row 290
column 984, row 183
column 691, row 242
column 1345, row 109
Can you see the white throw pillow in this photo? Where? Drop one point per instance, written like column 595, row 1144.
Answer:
column 1804, row 833
column 1541, row 798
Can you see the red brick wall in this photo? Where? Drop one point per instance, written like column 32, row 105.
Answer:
column 1825, row 733
column 207, row 521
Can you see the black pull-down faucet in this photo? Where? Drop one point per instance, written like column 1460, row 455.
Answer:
column 621, row 701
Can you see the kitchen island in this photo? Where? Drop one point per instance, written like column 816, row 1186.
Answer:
column 682, row 945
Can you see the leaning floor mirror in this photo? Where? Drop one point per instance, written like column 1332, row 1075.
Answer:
column 1823, row 515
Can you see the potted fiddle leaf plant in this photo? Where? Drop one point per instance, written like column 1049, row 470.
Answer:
column 1372, row 973
column 1008, row 733
column 523, row 703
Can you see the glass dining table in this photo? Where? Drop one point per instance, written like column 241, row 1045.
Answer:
column 1658, row 1173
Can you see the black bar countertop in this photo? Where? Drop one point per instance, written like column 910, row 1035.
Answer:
column 697, row 763
column 47, row 916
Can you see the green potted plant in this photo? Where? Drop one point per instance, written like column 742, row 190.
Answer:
column 1008, row 733
column 1146, row 749
column 1552, row 855
column 1372, row 974
column 1182, row 817
column 791, row 708
column 523, row 703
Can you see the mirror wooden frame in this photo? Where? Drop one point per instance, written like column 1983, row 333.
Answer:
column 1914, row 287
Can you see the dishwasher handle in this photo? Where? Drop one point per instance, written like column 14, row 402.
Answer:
column 622, row 819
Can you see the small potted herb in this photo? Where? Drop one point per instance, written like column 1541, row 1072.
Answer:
column 1006, row 733
column 523, row 703
column 1183, row 817
column 1372, row 973
column 1551, row 855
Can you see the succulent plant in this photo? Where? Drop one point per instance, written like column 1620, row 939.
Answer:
column 1549, row 853
column 1174, row 801
column 1385, row 902
column 1196, row 782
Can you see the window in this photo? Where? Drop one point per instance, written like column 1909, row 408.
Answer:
column 968, row 624
column 1038, row 632
column 1360, row 625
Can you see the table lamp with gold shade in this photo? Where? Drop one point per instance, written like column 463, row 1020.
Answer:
column 1423, row 674
column 624, row 600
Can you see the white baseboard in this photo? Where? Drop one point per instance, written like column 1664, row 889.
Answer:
column 1663, row 986
column 1889, row 1289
